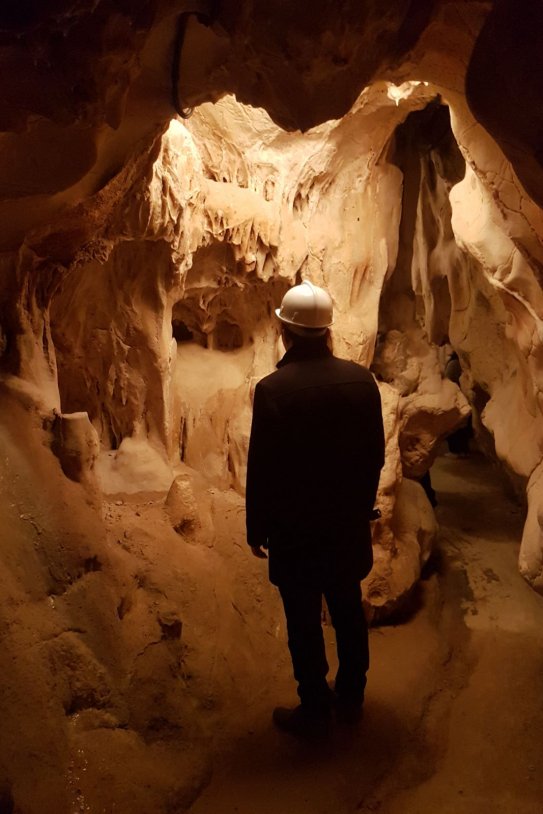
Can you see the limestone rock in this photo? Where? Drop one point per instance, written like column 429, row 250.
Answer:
column 391, row 472
column 76, row 444
column 80, row 680
column 414, row 519
column 531, row 548
column 137, row 466
column 430, row 406
column 181, row 505
column 389, row 587
column 426, row 420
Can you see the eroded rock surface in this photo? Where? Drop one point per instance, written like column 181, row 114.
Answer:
column 142, row 257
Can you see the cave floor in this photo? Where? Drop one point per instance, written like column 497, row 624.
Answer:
column 453, row 719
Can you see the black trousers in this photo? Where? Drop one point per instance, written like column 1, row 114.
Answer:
column 303, row 609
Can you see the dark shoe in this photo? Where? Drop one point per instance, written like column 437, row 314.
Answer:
column 349, row 710
column 303, row 722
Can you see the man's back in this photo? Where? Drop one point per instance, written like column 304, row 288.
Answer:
column 316, row 451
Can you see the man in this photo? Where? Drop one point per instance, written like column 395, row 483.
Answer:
column 315, row 454
column 458, row 441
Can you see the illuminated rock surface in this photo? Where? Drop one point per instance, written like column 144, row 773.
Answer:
column 141, row 260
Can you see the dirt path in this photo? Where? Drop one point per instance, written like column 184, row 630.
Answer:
column 454, row 714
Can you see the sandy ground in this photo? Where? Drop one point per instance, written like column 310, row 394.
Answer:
column 453, row 720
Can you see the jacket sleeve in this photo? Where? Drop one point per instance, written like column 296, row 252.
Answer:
column 377, row 444
column 260, row 468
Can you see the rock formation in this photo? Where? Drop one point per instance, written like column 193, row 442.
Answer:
column 143, row 251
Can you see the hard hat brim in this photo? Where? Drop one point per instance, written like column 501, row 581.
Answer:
column 297, row 324
column 311, row 329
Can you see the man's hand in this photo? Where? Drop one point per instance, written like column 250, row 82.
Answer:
column 258, row 552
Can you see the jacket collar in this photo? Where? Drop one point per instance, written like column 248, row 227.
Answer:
column 303, row 351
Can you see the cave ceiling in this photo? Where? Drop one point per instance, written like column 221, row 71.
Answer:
column 86, row 84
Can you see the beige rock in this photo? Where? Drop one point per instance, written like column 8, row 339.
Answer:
column 414, row 518
column 137, row 466
column 389, row 587
column 531, row 547
column 181, row 505
column 426, row 420
column 80, row 680
column 76, row 444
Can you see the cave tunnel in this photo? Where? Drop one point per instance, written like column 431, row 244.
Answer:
column 168, row 171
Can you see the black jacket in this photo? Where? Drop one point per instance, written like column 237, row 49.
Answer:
column 315, row 454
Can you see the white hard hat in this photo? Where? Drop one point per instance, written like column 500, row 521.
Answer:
column 306, row 306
